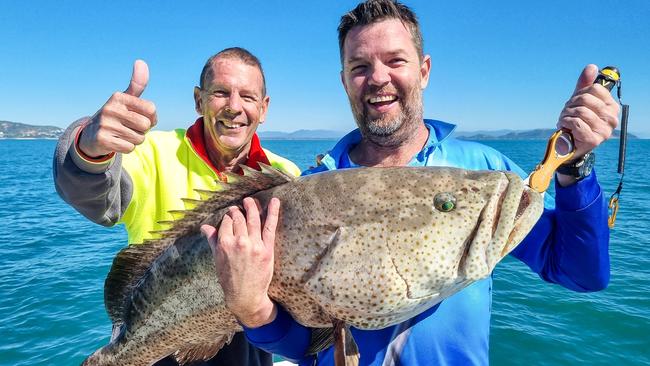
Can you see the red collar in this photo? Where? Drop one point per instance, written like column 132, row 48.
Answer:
column 196, row 137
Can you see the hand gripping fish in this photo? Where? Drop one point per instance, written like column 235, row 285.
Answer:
column 367, row 247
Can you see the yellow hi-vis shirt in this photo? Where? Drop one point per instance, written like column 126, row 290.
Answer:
column 164, row 169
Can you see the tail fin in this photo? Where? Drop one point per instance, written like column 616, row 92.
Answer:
column 101, row 357
column 105, row 356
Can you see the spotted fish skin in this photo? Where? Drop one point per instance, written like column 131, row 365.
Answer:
column 177, row 306
column 368, row 246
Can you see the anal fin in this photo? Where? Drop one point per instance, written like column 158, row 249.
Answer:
column 346, row 351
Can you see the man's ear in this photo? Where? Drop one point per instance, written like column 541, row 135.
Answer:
column 197, row 101
column 425, row 71
column 345, row 86
column 264, row 108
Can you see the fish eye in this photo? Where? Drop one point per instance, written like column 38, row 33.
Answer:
column 444, row 202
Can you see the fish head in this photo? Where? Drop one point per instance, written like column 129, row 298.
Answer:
column 423, row 235
column 465, row 223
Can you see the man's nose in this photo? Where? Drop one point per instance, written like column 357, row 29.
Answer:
column 234, row 105
column 379, row 75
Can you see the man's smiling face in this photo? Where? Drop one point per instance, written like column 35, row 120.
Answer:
column 384, row 77
column 233, row 104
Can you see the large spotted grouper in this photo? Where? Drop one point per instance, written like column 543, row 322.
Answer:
column 370, row 247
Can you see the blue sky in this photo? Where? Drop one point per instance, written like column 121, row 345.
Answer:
column 496, row 65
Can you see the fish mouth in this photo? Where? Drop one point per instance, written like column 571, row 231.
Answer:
column 528, row 211
column 525, row 198
column 524, row 202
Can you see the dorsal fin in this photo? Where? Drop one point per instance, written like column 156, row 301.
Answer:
column 129, row 265
column 132, row 262
column 232, row 193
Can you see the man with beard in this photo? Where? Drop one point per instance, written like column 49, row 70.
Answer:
column 384, row 73
column 113, row 170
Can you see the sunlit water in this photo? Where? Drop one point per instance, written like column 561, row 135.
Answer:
column 53, row 263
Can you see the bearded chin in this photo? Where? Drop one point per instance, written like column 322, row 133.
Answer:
column 384, row 126
column 391, row 130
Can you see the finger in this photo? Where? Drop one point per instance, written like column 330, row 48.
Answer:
column 118, row 132
column 253, row 223
column 208, row 231
column 119, row 146
column 143, row 107
column 210, row 234
column 131, row 120
column 602, row 119
column 582, row 131
column 238, row 222
column 586, row 99
column 585, row 138
column 593, row 95
column 225, row 229
column 587, row 77
column 109, row 138
column 271, row 223
column 587, row 115
column 136, row 122
column 139, row 78
column 603, row 110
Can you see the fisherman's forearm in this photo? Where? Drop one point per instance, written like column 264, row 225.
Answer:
column 283, row 336
column 583, row 234
column 102, row 197
column 569, row 245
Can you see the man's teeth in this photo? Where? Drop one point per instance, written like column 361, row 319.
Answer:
column 229, row 124
column 383, row 98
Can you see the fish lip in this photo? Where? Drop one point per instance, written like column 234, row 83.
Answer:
column 497, row 211
column 524, row 203
column 525, row 200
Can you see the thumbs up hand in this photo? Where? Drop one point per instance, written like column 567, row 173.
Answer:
column 591, row 114
column 121, row 124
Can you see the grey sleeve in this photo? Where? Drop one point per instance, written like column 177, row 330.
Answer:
column 100, row 193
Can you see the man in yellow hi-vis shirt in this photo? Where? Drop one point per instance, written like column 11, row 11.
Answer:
column 113, row 170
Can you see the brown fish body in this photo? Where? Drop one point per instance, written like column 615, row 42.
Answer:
column 371, row 247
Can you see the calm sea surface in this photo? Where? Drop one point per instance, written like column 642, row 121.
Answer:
column 53, row 263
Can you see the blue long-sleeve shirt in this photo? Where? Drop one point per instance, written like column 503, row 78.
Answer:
column 568, row 246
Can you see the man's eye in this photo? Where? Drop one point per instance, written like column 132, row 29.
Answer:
column 358, row 68
column 249, row 98
column 398, row 61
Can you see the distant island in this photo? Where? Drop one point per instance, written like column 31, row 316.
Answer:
column 537, row 134
column 302, row 135
column 15, row 130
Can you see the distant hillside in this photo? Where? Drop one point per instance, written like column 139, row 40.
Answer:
column 15, row 130
column 302, row 135
column 460, row 134
column 538, row 134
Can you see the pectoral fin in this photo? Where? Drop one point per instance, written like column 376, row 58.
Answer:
column 321, row 339
column 201, row 352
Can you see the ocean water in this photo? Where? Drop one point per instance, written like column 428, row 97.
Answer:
column 53, row 263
